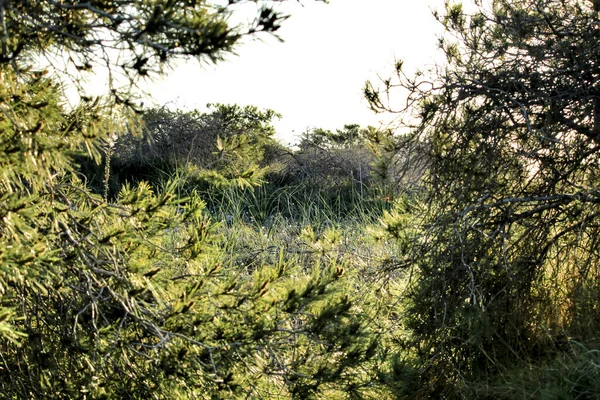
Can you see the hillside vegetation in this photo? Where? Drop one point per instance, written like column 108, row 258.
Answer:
column 164, row 254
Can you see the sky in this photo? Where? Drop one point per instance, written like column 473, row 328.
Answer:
column 315, row 77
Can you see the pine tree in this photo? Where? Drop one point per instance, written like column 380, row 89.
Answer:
column 507, row 262
column 132, row 297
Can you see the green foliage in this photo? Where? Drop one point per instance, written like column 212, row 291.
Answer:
column 137, row 297
column 456, row 257
column 325, row 157
column 144, row 36
column 574, row 374
column 297, row 203
column 354, row 156
column 349, row 136
column 506, row 260
column 221, row 147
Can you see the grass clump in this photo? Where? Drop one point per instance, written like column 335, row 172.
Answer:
column 573, row 373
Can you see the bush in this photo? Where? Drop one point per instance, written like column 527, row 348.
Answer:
column 222, row 146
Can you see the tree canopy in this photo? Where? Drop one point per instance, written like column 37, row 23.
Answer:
column 468, row 267
column 132, row 39
column 135, row 297
column 509, row 129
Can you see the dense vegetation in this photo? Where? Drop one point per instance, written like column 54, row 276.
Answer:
column 152, row 253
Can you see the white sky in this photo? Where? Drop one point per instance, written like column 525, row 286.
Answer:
column 314, row 78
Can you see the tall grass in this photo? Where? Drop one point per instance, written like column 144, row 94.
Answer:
column 300, row 204
column 306, row 226
column 570, row 374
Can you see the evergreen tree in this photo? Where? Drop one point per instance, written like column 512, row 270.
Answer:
column 507, row 260
column 222, row 147
column 133, row 298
